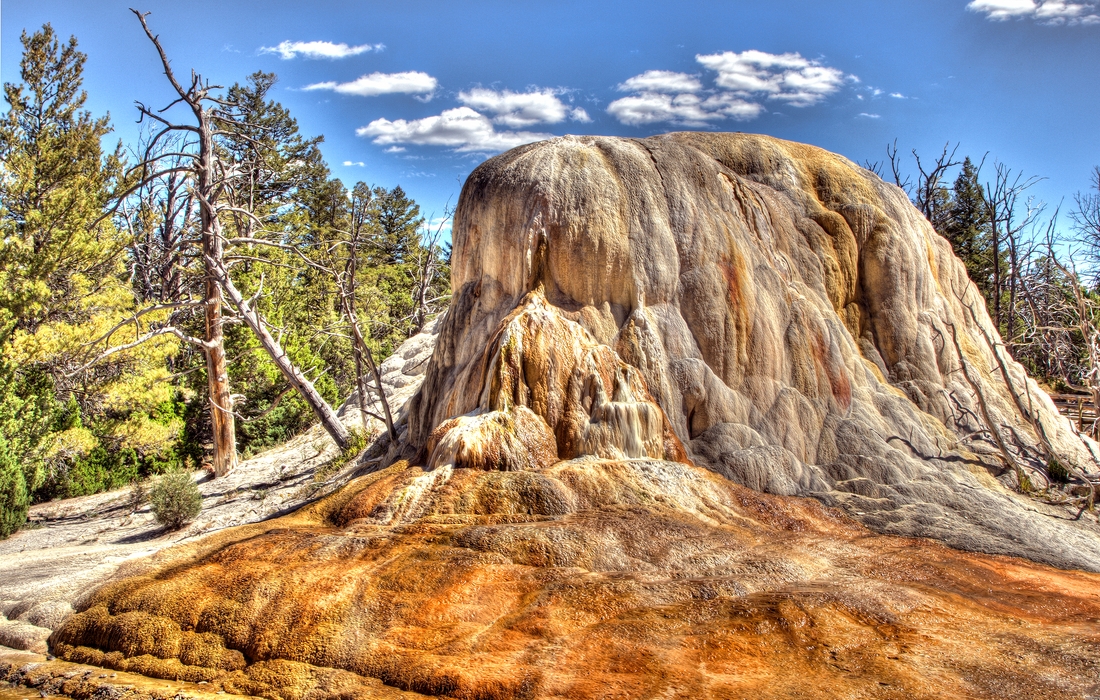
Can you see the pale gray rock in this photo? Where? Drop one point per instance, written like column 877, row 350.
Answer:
column 790, row 315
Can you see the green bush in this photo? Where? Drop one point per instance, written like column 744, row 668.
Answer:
column 1058, row 471
column 14, row 498
column 175, row 499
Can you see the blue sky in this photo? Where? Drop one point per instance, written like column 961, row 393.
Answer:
column 417, row 93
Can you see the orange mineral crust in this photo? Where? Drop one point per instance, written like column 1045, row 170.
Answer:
column 589, row 578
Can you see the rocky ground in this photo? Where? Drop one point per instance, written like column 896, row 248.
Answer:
column 589, row 578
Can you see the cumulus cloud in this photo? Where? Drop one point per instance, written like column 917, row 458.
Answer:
column 462, row 128
column 357, row 163
column 1045, row 11
column 787, row 77
column 742, row 82
column 409, row 82
column 318, row 49
column 684, row 110
column 662, row 81
column 521, row 109
column 652, row 107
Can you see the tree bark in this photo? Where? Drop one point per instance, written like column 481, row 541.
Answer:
column 217, row 373
column 294, row 376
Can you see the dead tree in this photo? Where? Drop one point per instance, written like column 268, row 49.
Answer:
column 204, row 167
column 211, row 179
column 346, row 284
column 427, row 260
column 274, row 349
column 895, row 168
column 1006, row 225
column 930, row 191
column 986, row 414
column 340, row 261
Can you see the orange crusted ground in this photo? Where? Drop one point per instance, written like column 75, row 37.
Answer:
column 591, row 579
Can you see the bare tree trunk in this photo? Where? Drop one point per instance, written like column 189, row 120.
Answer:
column 996, row 278
column 362, row 351
column 221, row 401
column 351, row 268
column 217, row 373
column 1013, row 276
column 294, row 376
column 360, row 385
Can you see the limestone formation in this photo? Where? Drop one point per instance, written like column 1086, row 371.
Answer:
column 762, row 308
column 638, row 325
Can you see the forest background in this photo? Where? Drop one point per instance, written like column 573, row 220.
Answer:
column 107, row 279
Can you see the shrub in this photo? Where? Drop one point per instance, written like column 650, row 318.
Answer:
column 175, row 499
column 1058, row 471
column 13, row 492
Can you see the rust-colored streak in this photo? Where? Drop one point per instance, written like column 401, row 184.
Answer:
column 738, row 300
column 839, row 384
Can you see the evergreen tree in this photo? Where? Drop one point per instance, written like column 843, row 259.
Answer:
column 56, row 182
column 967, row 227
column 13, row 491
column 397, row 220
column 94, row 388
column 70, row 426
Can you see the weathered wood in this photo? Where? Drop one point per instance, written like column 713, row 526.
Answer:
column 331, row 422
column 217, row 374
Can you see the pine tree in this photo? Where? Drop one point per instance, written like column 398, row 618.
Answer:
column 63, row 281
column 397, row 219
column 967, row 227
column 56, row 182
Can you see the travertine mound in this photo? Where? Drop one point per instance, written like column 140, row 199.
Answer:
column 624, row 312
column 763, row 308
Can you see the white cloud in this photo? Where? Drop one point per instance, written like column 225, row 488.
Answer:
column 665, row 81
column 898, row 96
column 786, row 77
column 318, row 49
column 683, row 110
column 521, row 109
column 865, row 115
column 1045, row 11
column 652, row 107
column 358, row 163
column 1001, row 10
column 461, row 128
column 743, row 81
column 409, row 82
